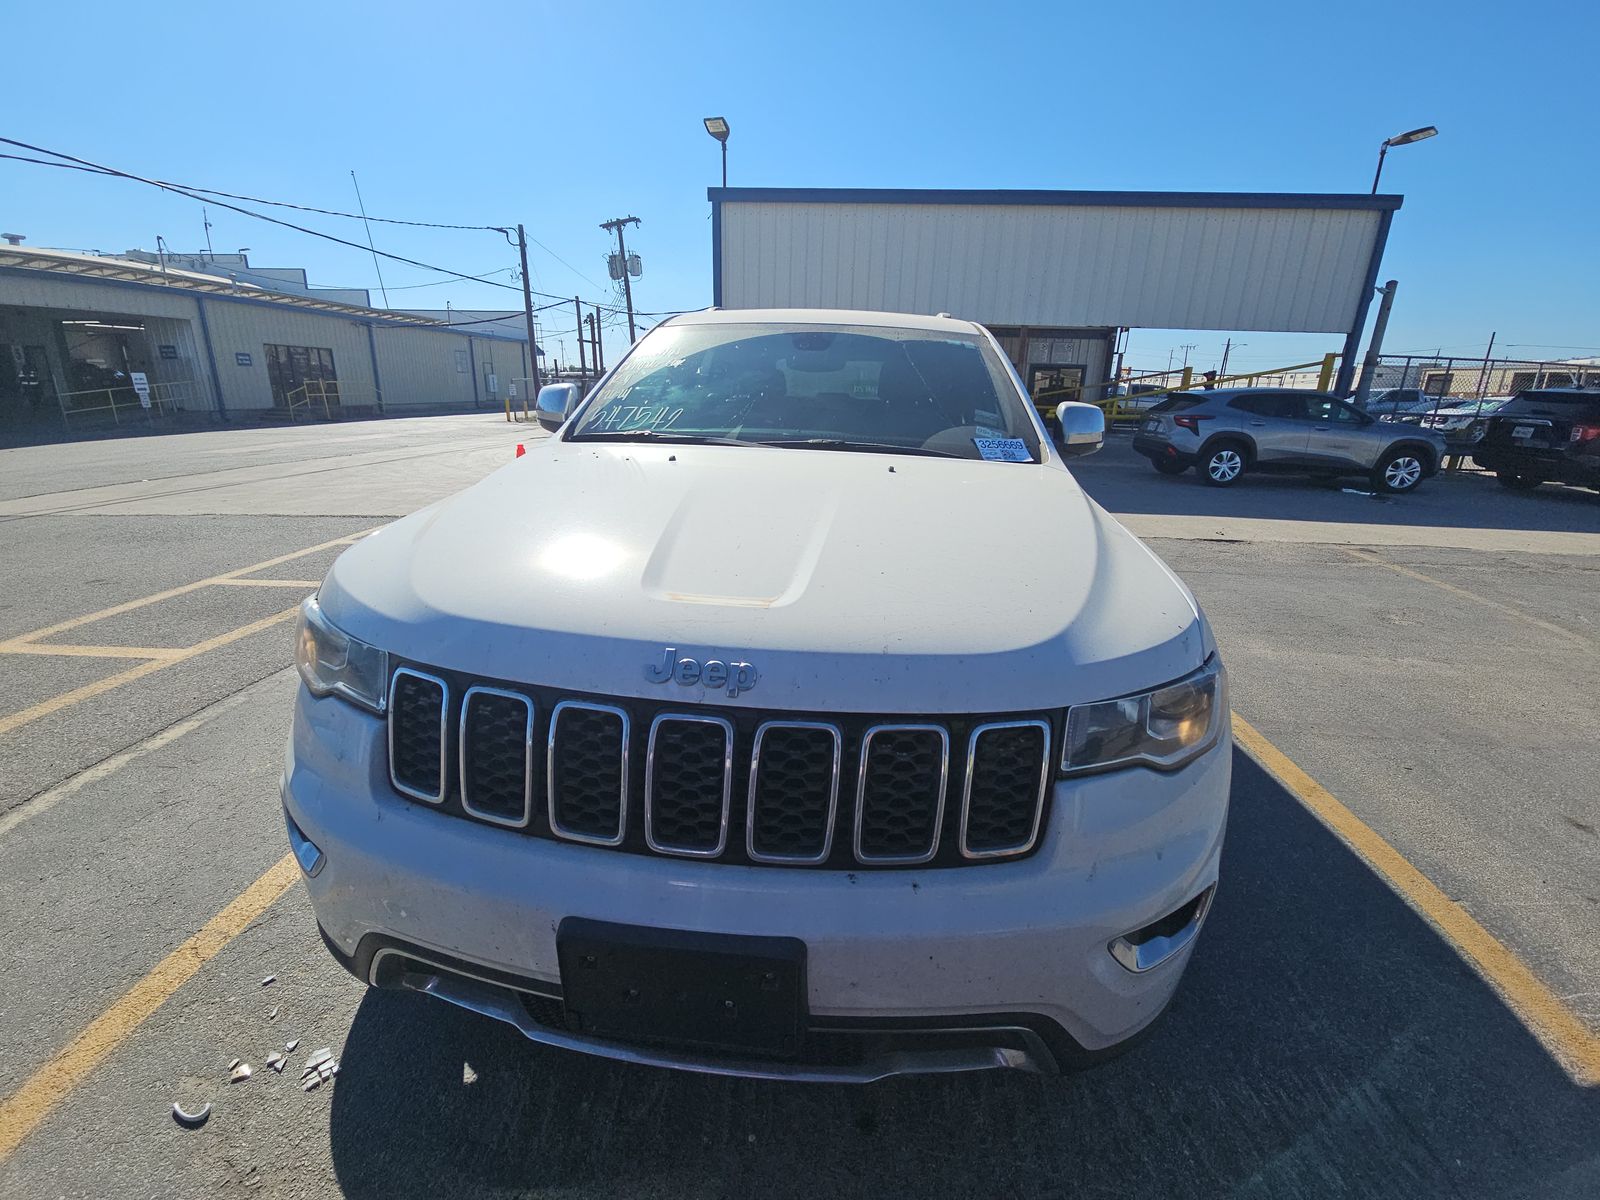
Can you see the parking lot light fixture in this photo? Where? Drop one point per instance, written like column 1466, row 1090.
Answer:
column 717, row 127
column 1400, row 139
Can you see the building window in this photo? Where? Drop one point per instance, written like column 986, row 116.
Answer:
column 301, row 373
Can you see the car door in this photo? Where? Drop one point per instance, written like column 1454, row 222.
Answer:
column 1340, row 436
column 1277, row 423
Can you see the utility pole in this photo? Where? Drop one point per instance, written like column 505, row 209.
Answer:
column 1380, row 325
column 618, row 224
column 1227, row 348
column 527, row 308
column 594, row 346
column 596, row 328
column 1190, row 346
column 577, row 307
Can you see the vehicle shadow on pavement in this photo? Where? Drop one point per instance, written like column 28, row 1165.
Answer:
column 1326, row 1041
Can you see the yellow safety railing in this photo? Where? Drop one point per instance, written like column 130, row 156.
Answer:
column 1131, row 408
column 124, row 403
column 311, row 393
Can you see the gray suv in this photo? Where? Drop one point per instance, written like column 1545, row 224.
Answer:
column 1229, row 431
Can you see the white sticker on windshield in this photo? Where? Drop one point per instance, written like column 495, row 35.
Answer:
column 1000, row 449
column 985, row 431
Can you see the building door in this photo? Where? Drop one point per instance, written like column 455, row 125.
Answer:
column 303, row 373
column 27, row 389
column 1049, row 384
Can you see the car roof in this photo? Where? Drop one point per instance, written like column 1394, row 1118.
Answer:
column 824, row 316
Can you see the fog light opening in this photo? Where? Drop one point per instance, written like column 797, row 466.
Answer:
column 306, row 852
column 1148, row 947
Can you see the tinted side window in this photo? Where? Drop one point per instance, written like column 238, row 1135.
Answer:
column 1272, row 404
column 1327, row 410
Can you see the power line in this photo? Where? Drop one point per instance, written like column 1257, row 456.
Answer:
column 327, row 212
column 198, row 194
column 182, row 191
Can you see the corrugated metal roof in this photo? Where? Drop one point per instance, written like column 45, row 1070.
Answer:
column 70, row 262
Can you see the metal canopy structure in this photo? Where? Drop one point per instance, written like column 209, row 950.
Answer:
column 91, row 266
column 1285, row 262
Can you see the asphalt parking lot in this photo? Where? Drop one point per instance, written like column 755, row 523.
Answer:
column 1397, row 993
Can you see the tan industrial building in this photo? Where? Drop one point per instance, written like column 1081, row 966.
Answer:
column 92, row 340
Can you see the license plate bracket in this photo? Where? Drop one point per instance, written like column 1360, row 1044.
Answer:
column 726, row 992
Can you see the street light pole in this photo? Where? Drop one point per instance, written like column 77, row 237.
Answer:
column 1400, row 139
column 717, row 127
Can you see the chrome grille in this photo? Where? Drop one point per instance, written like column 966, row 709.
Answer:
column 688, row 785
column 940, row 792
column 900, row 793
column 1008, row 770
column 419, row 707
column 588, row 772
column 496, row 751
column 794, row 792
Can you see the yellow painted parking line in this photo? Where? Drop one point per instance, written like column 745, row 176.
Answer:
column 1561, row 1030
column 182, row 590
column 303, row 584
column 1567, row 635
column 100, row 686
column 21, row 1112
column 91, row 651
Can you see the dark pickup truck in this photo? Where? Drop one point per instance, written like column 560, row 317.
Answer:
column 1551, row 435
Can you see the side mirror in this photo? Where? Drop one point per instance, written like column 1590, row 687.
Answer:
column 1083, row 428
column 555, row 404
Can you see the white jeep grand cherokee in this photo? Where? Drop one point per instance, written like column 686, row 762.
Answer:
column 791, row 712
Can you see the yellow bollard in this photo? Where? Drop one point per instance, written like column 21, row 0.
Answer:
column 1325, row 379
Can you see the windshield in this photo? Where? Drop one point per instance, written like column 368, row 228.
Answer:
column 834, row 387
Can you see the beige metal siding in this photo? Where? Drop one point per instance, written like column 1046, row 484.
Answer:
column 1289, row 269
column 417, row 364
column 249, row 328
column 419, row 367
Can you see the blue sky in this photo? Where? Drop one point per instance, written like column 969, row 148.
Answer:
column 562, row 115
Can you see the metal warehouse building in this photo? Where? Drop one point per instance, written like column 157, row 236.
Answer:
column 1059, row 276
column 77, row 330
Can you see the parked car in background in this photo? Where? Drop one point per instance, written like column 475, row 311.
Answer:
column 1402, row 404
column 1135, row 397
column 1551, row 435
column 1463, row 420
column 1230, row 431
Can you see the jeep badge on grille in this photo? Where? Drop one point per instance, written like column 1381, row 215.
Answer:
column 713, row 673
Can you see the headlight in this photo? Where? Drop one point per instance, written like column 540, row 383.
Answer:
column 1163, row 728
column 333, row 663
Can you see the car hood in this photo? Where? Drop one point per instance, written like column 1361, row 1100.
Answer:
column 848, row 581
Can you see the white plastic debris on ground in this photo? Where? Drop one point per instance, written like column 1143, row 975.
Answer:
column 320, row 1068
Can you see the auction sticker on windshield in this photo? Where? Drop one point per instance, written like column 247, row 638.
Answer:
column 1003, row 449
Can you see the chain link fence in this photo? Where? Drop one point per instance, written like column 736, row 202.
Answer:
column 1479, row 378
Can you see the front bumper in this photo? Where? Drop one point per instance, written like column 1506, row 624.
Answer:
column 469, row 912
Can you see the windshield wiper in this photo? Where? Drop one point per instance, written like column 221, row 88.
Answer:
column 656, row 435
column 823, row 443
